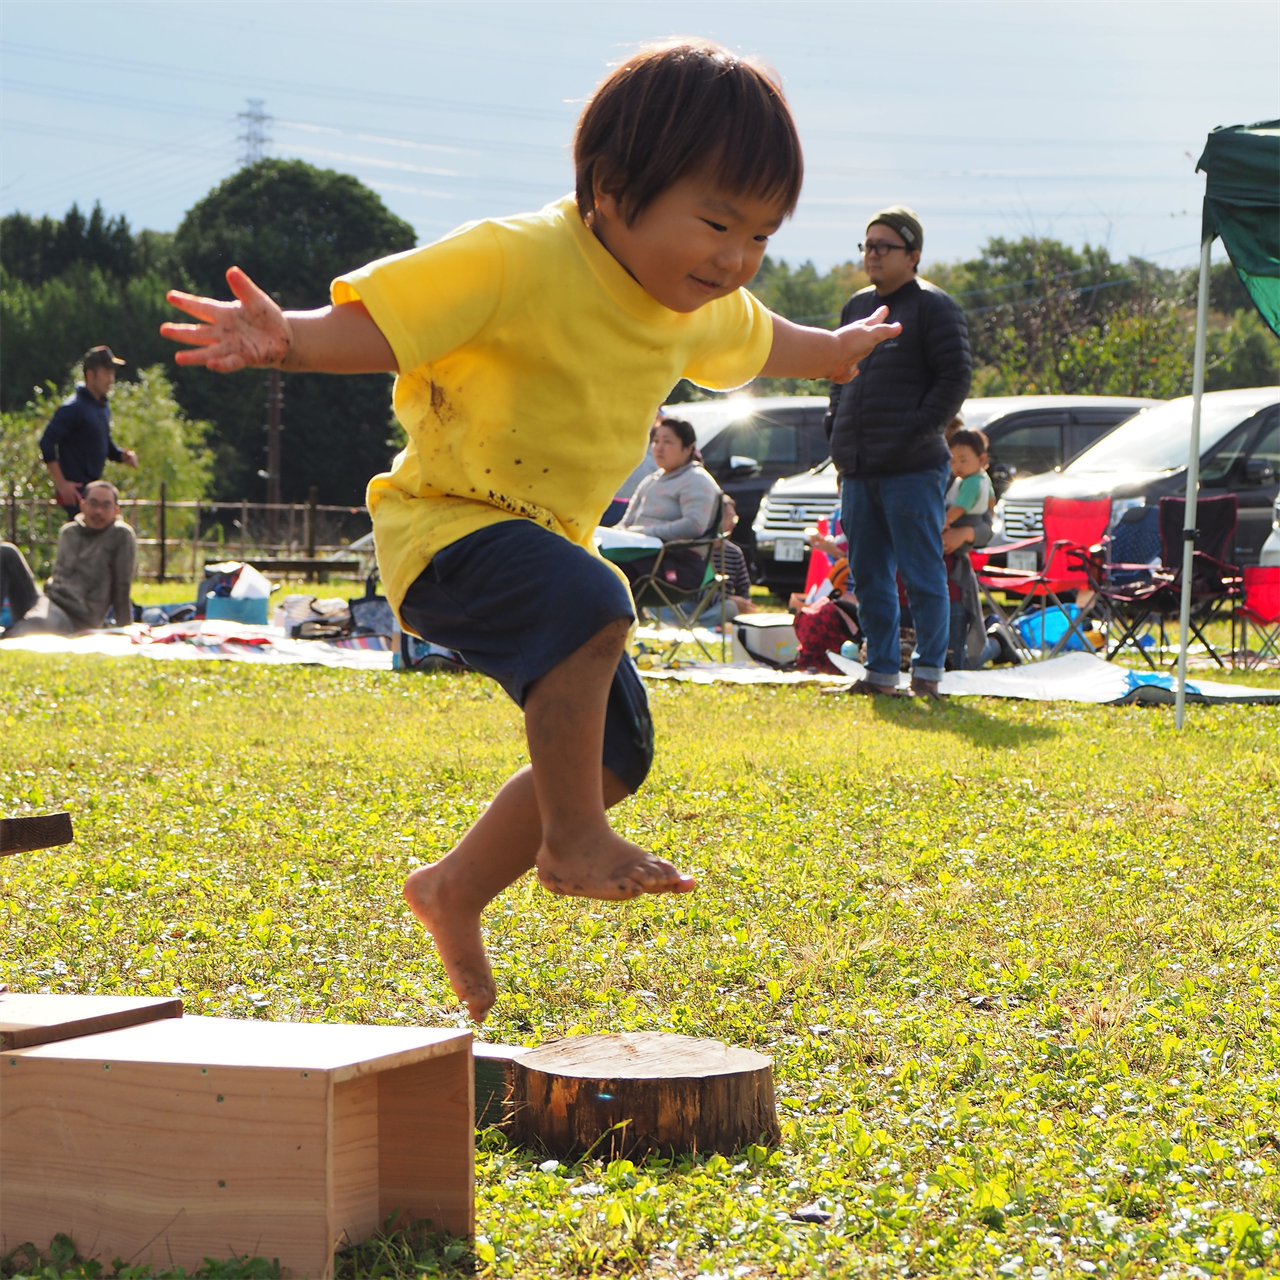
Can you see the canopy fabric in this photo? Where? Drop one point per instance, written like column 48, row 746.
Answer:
column 1242, row 206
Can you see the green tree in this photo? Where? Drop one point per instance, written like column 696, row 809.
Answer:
column 49, row 324
column 171, row 447
column 293, row 228
column 1242, row 353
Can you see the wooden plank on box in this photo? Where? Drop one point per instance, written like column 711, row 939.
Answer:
column 21, row 835
column 27, row 1020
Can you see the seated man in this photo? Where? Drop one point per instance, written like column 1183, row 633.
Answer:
column 92, row 572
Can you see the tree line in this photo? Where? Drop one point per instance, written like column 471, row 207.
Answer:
column 1043, row 316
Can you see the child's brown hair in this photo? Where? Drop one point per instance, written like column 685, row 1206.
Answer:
column 976, row 440
column 672, row 110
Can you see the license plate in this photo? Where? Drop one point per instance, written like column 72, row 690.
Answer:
column 1023, row 561
column 789, row 549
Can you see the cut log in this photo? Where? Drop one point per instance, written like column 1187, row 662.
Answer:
column 666, row 1093
column 21, row 835
column 494, row 1084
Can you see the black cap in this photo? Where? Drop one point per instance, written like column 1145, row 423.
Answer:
column 100, row 356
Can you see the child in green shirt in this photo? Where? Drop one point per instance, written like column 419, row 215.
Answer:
column 969, row 496
column 532, row 354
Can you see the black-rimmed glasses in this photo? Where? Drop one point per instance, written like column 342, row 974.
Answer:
column 878, row 248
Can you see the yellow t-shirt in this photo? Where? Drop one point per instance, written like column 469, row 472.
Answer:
column 531, row 367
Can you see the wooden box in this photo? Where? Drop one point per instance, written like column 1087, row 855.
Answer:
column 189, row 1138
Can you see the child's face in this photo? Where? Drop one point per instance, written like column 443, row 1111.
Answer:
column 964, row 462
column 693, row 244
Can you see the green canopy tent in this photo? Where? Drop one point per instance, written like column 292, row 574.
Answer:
column 1242, row 207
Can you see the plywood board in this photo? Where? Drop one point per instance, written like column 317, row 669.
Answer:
column 165, row 1164
column 27, row 1020
column 341, row 1050
column 354, row 1160
column 426, row 1143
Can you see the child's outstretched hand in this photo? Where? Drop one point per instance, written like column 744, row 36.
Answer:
column 250, row 332
column 857, row 339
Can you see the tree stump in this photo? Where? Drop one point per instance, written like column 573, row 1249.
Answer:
column 676, row 1094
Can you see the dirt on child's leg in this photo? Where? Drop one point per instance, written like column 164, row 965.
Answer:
column 449, row 896
column 580, row 853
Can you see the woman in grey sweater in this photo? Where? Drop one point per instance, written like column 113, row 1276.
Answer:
column 676, row 502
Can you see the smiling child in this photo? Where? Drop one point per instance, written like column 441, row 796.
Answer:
column 532, row 355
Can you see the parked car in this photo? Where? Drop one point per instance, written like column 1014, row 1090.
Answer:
column 1028, row 435
column 1271, row 548
column 1145, row 459
column 747, row 442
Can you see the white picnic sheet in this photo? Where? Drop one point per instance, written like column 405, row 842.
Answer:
column 1076, row 677
column 1070, row 677
column 206, row 640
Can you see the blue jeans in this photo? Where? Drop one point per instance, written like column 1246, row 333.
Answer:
column 894, row 526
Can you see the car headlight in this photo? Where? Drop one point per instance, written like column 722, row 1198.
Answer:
column 1120, row 505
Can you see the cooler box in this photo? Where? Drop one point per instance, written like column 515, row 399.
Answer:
column 765, row 637
column 226, row 609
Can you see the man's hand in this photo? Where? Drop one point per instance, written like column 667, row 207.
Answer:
column 129, row 458
column 67, row 493
column 800, row 352
column 251, row 332
column 857, row 340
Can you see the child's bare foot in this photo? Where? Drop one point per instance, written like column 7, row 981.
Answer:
column 456, row 931
column 604, row 865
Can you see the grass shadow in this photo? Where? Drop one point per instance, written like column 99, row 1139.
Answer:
column 957, row 717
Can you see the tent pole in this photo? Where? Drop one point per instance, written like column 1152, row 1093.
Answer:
column 1193, row 484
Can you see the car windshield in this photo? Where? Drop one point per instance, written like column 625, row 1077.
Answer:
column 1158, row 439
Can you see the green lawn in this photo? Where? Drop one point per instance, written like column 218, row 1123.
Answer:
column 1016, row 965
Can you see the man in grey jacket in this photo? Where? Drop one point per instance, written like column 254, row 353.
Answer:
column 92, row 572
column 886, row 430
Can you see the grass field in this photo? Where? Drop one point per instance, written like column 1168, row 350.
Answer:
column 1018, row 966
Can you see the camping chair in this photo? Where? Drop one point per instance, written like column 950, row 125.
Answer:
column 1071, row 527
column 652, row 591
column 1122, row 570
column 1260, row 609
column 1215, row 582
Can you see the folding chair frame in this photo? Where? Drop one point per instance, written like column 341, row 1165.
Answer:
column 989, row 580
column 676, row 599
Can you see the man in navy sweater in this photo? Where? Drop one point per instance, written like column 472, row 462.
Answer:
column 886, row 431
column 77, row 442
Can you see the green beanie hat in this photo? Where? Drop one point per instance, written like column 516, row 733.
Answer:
column 904, row 221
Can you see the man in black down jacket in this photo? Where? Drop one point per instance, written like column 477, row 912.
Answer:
column 886, row 440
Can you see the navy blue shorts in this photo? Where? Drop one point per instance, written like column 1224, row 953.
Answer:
column 515, row 600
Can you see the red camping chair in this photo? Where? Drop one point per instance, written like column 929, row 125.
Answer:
column 1259, row 609
column 1071, row 527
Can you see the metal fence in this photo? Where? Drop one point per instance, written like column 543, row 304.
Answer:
column 175, row 539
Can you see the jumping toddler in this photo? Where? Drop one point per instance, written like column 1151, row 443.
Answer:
column 532, row 353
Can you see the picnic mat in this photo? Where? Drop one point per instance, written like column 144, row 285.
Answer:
column 223, row 641
column 1078, row 677
column 1071, row 677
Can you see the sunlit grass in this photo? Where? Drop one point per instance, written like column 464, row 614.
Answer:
column 1016, row 964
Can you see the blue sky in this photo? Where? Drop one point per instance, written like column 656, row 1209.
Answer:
column 1076, row 120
